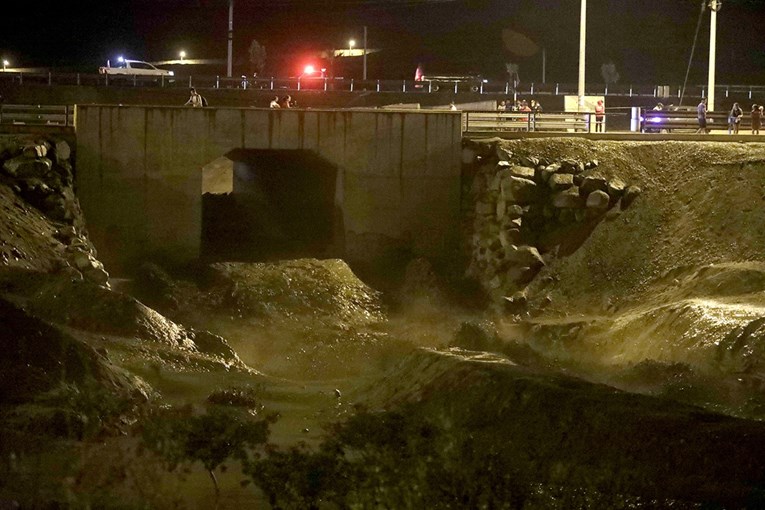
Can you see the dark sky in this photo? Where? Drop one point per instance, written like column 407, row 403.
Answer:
column 649, row 41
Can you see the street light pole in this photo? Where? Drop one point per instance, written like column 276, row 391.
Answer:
column 714, row 6
column 582, row 46
column 230, row 37
column 365, row 53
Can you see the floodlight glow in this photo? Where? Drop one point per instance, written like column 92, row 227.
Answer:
column 120, row 59
column 183, row 55
column 309, row 69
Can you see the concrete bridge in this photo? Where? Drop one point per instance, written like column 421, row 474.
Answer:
column 179, row 184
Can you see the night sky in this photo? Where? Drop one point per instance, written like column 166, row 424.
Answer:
column 649, row 41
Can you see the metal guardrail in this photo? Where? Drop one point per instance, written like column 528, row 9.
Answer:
column 477, row 86
column 48, row 115
column 667, row 121
column 490, row 122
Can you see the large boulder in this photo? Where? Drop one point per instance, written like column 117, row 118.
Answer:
column 571, row 166
column 546, row 172
column 568, row 199
column 523, row 172
column 527, row 256
column 560, row 182
column 23, row 166
column 592, row 183
column 598, row 200
column 616, row 188
column 518, row 190
column 62, row 150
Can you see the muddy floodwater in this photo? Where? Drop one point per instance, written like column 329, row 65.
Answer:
column 598, row 346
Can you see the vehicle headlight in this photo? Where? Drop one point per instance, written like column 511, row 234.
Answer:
column 172, row 73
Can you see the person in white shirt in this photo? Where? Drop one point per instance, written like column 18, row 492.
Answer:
column 195, row 100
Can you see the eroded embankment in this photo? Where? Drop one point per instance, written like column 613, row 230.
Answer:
column 674, row 276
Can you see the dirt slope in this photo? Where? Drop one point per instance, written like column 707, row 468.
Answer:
column 701, row 205
column 677, row 277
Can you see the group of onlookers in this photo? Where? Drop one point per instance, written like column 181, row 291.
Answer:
column 519, row 106
column 737, row 113
column 284, row 102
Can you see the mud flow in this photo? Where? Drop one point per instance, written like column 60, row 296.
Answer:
column 597, row 343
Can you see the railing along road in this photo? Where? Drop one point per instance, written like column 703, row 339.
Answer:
column 491, row 122
column 478, row 86
column 39, row 115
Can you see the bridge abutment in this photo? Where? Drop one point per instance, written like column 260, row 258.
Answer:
column 389, row 182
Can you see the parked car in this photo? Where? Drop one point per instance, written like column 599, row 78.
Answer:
column 126, row 67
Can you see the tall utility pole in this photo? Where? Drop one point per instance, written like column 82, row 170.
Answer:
column 582, row 46
column 714, row 6
column 365, row 52
column 544, row 65
column 230, row 37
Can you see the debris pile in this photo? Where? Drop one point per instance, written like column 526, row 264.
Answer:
column 520, row 209
column 39, row 171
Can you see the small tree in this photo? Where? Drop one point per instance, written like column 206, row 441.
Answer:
column 179, row 436
column 257, row 56
column 609, row 73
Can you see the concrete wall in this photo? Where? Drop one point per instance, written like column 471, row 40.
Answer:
column 139, row 174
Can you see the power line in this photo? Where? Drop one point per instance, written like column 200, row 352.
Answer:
column 693, row 49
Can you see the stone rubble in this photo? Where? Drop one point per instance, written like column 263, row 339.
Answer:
column 40, row 171
column 513, row 199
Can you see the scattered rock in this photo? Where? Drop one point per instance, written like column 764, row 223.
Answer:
column 592, row 183
column 523, row 172
column 517, row 190
column 567, row 199
column 560, row 182
column 630, row 194
column 598, row 200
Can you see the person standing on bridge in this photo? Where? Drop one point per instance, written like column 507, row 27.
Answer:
column 274, row 102
column 701, row 114
column 756, row 119
column 600, row 116
column 734, row 118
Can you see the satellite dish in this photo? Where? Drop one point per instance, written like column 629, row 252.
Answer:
column 518, row 44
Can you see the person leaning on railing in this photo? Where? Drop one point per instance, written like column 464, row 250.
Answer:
column 195, row 100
